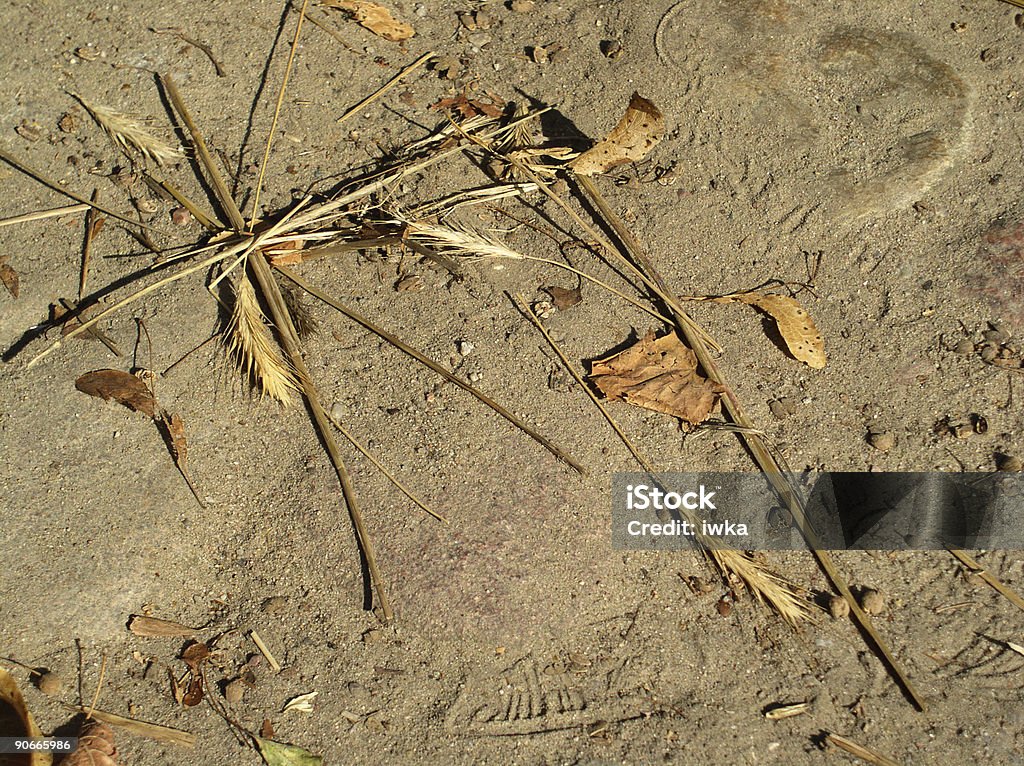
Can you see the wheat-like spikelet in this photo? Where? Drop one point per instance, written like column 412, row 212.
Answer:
column 458, row 241
column 130, row 134
column 250, row 342
column 763, row 583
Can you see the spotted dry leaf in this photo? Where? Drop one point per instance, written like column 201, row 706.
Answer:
column 376, row 18
column 795, row 326
column 120, row 386
column 639, row 130
column 660, row 375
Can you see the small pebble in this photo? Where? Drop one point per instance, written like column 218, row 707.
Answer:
column 475, row 377
column 989, row 352
column 464, row 347
column 964, row 347
column 995, row 336
column 234, row 690
column 522, row 6
column 871, row 601
column 838, row 607
column 50, row 684
column 181, row 217
column 883, row 441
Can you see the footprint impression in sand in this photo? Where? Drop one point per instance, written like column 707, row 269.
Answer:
column 833, row 114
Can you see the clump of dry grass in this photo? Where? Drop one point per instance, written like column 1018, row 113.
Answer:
column 249, row 341
column 766, row 586
column 129, row 134
column 457, row 241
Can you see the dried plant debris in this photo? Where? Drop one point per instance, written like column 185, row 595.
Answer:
column 154, row 627
column 564, row 298
column 796, row 327
column 468, row 107
column 131, row 391
column 195, row 655
column 95, row 747
column 249, row 340
column 9, row 277
column 14, row 713
column 122, row 387
column 639, row 131
column 152, row 731
column 375, row 18
column 661, row 375
column 280, row 754
column 129, row 134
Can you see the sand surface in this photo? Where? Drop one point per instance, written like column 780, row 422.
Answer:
column 880, row 140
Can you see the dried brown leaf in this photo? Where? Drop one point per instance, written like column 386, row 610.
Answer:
column 195, row 654
column 376, row 18
column 154, row 627
column 564, row 298
column 469, row 107
column 639, row 130
column 660, row 375
column 795, row 326
column 194, row 693
column 14, row 713
column 120, row 386
column 9, row 277
column 95, row 747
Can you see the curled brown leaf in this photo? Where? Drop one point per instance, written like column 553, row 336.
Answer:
column 120, row 386
column 661, row 375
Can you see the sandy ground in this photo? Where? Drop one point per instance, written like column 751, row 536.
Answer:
column 883, row 138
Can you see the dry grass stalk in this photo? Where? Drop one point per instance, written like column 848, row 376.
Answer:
column 1004, row 590
column 152, row 731
column 250, row 342
column 265, row 651
column 43, row 214
column 129, row 134
column 388, row 475
column 387, row 86
column 866, row 754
